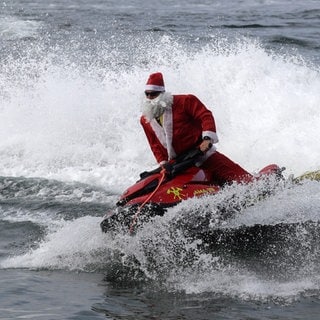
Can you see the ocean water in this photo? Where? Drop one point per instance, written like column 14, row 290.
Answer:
column 72, row 75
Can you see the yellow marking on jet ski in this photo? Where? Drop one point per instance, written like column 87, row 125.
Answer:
column 205, row 190
column 176, row 192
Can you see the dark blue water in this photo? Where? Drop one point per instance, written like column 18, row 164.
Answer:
column 71, row 75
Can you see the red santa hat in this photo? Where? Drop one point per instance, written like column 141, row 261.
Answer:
column 155, row 82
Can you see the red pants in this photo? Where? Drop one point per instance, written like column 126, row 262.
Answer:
column 224, row 170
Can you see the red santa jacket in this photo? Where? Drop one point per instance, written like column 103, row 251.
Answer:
column 184, row 124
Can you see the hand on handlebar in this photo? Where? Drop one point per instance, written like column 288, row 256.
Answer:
column 167, row 168
column 205, row 145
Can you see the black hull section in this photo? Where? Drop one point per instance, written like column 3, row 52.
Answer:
column 258, row 238
column 121, row 218
column 277, row 250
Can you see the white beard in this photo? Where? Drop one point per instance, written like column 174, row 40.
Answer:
column 154, row 108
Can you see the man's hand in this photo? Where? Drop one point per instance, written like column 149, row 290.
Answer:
column 167, row 168
column 205, row 145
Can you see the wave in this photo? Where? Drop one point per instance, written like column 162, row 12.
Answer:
column 72, row 142
column 250, row 255
column 74, row 117
column 28, row 189
column 291, row 40
column 12, row 28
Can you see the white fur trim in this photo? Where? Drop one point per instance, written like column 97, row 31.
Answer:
column 154, row 88
column 158, row 130
column 164, row 134
column 168, row 128
column 212, row 135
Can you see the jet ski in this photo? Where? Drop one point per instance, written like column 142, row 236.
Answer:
column 162, row 188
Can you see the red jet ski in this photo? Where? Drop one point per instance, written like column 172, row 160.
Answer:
column 162, row 188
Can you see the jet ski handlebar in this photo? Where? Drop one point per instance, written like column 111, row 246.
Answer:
column 177, row 165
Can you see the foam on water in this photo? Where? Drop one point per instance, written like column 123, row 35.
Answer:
column 60, row 119
column 292, row 205
column 64, row 118
column 165, row 254
column 79, row 246
column 13, row 28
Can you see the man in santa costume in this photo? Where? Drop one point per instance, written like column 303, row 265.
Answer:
column 175, row 124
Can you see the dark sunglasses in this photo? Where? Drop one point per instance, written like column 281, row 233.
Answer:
column 152, row 93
